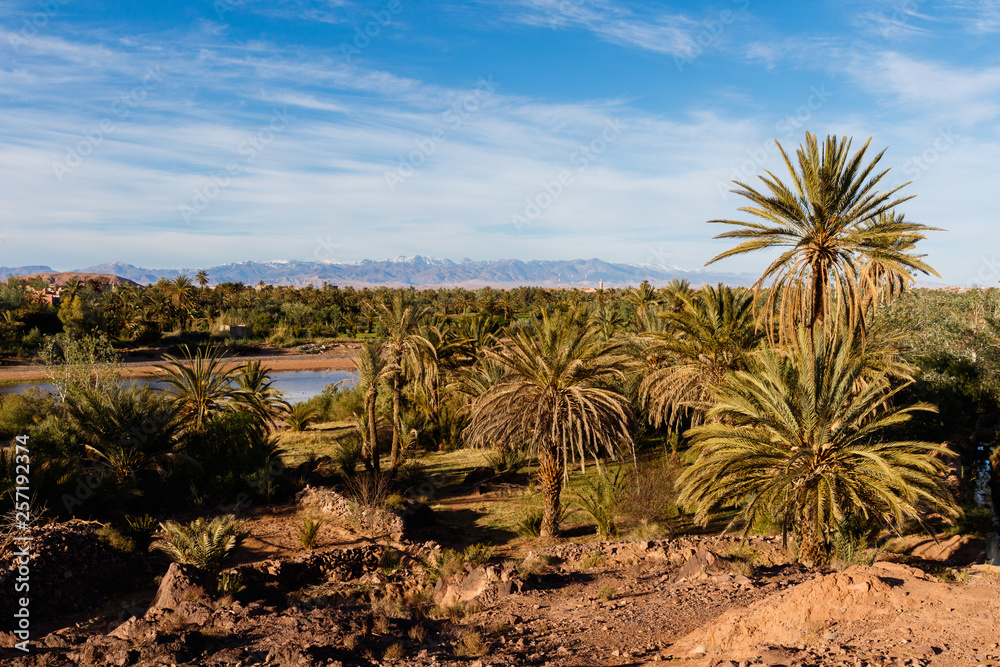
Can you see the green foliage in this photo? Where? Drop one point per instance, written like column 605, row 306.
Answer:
column 600, row 499
column 478, row 553
column 799, row 437
column 347, row 455
column 852, row 538
column 506, row 460
column 300, row 416
column 230, row 582
column 530, row 525
column 978, row 522
column 309, row 532
column 113, row 538
column 75, row 364
column 18, row 412
column 206, row 545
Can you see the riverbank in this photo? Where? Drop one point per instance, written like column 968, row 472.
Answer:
column 338, row 359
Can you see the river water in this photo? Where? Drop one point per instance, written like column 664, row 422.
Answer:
column 297, row 385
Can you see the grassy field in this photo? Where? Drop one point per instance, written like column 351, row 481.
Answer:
column 464, row 514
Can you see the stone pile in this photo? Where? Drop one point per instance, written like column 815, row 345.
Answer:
column 70, row 569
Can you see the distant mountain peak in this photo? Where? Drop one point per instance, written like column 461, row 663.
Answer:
column 422, row 272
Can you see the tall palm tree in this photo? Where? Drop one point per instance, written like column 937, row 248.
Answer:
column 181, row 294
column 713, row 334
column 798, row 438
column 201, row 278
column 643, row 299
column 558, row 396
column 200, row 385
column 400, row 320
column 373, row 369
column 827, row 222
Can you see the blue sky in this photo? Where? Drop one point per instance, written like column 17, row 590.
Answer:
column 186, row 134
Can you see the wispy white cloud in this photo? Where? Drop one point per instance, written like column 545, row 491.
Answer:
column 666, row 33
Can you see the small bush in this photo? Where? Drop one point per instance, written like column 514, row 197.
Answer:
column 230, row 583
column 417, row 633
column 394, row 652
column 309, row 532
column 607, row 593
column 347, row 456
column 411, row 473
column 506, row 461
column 601, row 499
column 531, row 524
column 851, row 541
column 470, row 644
column 206, row 545
column 478, row 553
column 591, row 560
column 975, row 521
column 743, row 560
column 113, row 538
column 300, row 416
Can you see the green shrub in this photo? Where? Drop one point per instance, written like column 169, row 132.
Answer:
column 206, row 545
column 230, row 582
column 975, row 521
column 19, row 412
column 347, row 455
column 531, row 524
column 601, row 499
column 300, row 416
column 852, row 538
column 506, row 461
column 309, row 532
column 411, row 473
column 478, row 553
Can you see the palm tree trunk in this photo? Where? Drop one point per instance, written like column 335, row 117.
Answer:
column 550, row 472
column 373, row 463
column 397, row 392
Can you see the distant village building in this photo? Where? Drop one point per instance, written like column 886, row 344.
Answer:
column 49, row 295
column 235, row 330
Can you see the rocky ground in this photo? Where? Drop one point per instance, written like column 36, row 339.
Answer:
column 696, row 601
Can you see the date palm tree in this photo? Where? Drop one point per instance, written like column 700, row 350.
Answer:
column 373, row 370
column 713, row 333
column 201, row 278
column 255, row 390
column 558, row 396
column 829, row 221
column 200, row 385
column 400, row 320
column 798, row 438
column 127, row 431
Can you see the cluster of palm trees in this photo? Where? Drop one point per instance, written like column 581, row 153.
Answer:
column 787, row 393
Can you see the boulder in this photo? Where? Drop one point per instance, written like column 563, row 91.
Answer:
column 181, row 582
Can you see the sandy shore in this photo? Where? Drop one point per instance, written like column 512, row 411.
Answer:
column 339, row 360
